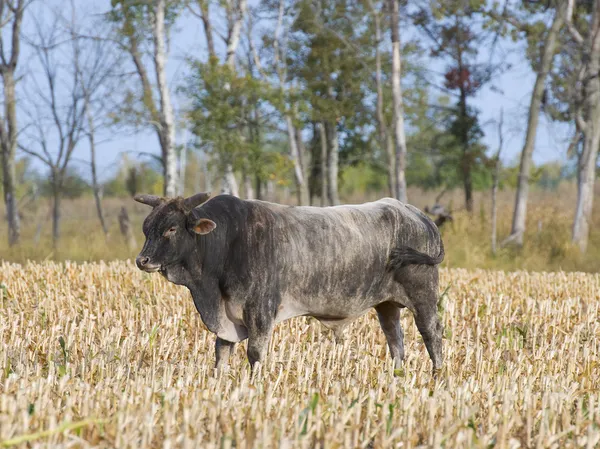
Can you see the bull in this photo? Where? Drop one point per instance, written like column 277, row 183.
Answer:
column 251, row 264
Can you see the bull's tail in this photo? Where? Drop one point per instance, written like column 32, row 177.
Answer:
column 404, row 256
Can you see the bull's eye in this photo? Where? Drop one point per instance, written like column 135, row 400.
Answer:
column 169, row 232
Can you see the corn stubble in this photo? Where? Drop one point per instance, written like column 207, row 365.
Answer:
column 102, row 355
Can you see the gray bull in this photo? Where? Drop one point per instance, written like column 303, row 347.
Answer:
column 251, row 264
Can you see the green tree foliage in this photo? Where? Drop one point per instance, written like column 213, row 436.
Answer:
column 457, row 32
column 229, row 115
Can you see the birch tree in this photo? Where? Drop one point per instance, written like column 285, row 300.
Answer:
column 385, row 138
column 11, row 13
column 165, row 112
column 294, row 137
column 400, row 137
column 548, row 53
column 587, row 116
column 235, row 12
column 132, row 20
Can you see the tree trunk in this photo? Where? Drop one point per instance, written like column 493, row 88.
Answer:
column 591, row 143
column 233, row 39
column 332, row 164
column 125, row 226
column 258, row 184
column 270, row 190
column 323, row 139
column 8, row 133
column 520, row 212
column 182, row 169
column 466, row 161
column 303, row 156
column 95, row 187
column 468, row 186
column 230, row 185
column 167, row 125
column 9, row 146
column 207, row 27
column 56, row 192
column 235, row 29
column 301, row 187
column 400, row 179
column 496, row 180
column 385, row 138
column 248, row 189
column 207, row 176
column 494, row 205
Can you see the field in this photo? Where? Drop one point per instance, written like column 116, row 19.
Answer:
column 102, row 355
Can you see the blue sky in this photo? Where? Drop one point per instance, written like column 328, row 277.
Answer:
column 511, row 93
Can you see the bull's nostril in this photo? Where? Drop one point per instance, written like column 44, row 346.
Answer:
column 145, row 260
column 142, row 261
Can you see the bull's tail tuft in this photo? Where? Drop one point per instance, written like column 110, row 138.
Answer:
column 404, row 256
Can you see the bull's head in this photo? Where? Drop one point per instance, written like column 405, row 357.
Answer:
column 170, row 230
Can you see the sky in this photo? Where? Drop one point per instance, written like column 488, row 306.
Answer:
column 510, row 92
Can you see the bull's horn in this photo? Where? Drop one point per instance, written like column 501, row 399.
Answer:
column 150, row 200
column 196, row 200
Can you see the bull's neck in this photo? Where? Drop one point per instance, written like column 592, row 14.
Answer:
column 186, row 272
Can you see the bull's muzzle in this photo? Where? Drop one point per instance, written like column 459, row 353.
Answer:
column 144, row 264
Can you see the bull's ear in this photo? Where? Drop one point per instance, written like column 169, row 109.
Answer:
column 196, row 200
column 150, row 200
column 203, row 226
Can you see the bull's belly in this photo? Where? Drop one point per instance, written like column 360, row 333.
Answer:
column 334, row 307
column 327, row 306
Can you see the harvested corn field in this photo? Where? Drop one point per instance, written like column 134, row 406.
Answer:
column 103, row 355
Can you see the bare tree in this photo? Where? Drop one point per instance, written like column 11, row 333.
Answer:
column 496, row 178
column 167, row 124
column 400, row 178
column 11, row 12
column 588, row 120
column 60, row 102
column 547, row 56
column 91, row 133
column 104, row 62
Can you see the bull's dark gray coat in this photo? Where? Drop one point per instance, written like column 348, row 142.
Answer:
column 252, row 264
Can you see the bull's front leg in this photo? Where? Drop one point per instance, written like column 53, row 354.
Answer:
column 259, row 323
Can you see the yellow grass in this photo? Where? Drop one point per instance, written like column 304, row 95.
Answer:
column 102, row 355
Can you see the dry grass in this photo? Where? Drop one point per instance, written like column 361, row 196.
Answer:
column 134, row 368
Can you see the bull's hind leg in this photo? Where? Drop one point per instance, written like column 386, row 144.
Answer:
column 389, row 319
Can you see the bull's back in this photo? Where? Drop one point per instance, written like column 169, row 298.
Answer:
column 334, row 255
